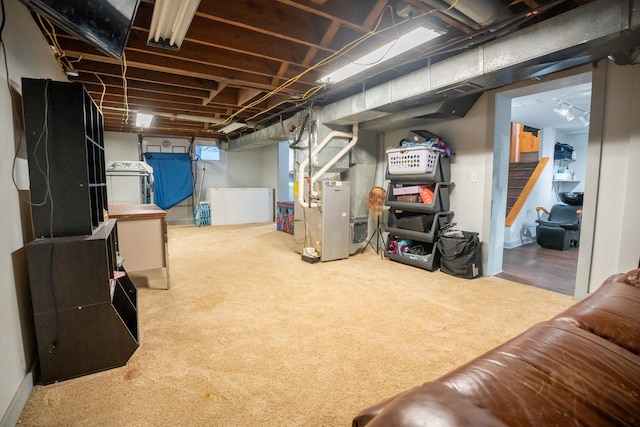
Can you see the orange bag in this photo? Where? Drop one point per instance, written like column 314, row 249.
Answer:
column 427, row 196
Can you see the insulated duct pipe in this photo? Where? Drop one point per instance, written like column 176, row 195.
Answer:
column 484, row 12
column 301, row 168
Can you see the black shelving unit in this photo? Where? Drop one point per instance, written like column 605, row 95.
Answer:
column 415, row 222
column 64, row 134
column 84, row 304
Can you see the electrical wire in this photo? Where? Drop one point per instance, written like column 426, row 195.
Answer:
column 104, row 90
column 125, row 87
column 61, row 57
column 342, row 51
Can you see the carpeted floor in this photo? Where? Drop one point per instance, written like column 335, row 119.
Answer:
column 250, row 335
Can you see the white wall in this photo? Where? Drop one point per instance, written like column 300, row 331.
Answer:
column 466, row 135
column 28, row 55
column 251, row 168
column 616, row 243
column 616, row 240
column 579, row 141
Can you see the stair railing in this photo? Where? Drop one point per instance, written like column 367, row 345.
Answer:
column 526, row 191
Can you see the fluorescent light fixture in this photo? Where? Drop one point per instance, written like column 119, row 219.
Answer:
column 143, row 120
column 170, row 21
column 232, row 126
column 403, row 44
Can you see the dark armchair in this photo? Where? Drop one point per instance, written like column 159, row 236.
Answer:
column 560, row 227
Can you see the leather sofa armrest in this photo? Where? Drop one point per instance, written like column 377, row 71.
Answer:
column 432, row 402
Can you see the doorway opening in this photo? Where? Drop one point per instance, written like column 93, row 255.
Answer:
column 540, row 118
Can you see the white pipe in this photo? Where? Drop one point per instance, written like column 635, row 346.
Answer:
column 188, row 117
column 337, row 157
column 302, row 166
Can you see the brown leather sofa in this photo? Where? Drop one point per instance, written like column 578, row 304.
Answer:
column 581, row 368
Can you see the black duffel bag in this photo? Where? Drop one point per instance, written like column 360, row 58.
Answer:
column 460, row 254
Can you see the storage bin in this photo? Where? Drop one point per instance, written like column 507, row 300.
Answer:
column 424, row 228
column 428, row 260
column 439, row 203
column 411, row 160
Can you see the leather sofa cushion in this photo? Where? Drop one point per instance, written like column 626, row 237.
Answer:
column 613, row 313
column 553, row 374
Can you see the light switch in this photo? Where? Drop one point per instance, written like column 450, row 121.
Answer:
column 474, row 176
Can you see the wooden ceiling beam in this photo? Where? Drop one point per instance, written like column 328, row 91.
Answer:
column 114, row 70
column 112, row 81
column 136, row 103
column 246, row 95
column 213, row 93
column 229, row 99
column 268, row 17
column 149, row 62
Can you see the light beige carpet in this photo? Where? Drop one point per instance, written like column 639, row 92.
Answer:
column 250, row 335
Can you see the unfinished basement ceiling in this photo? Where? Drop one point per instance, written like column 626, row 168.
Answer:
column 253, row 60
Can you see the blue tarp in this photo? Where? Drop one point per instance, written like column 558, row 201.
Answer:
column 172, row 176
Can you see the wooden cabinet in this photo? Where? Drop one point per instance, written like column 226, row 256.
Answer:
column 64, row 134
column 523, row 140
column 84, row 305
column 529, row 140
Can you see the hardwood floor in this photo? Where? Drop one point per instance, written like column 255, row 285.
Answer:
column 541, row 267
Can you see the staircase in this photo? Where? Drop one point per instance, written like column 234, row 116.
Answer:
column 519, row 174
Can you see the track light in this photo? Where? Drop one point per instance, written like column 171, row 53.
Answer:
column 585, row 119
column 561, row 110
column 570, row 116
column 567, row 110
column 170, row 21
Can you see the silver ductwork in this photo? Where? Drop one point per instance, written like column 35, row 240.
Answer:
column 482, row 12
column 629, row 57
column 597, row 30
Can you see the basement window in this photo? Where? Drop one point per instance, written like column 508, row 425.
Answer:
column 208, row 153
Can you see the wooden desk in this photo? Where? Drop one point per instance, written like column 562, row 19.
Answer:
column 142, row 237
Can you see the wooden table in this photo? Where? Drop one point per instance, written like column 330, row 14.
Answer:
column 142, row 237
